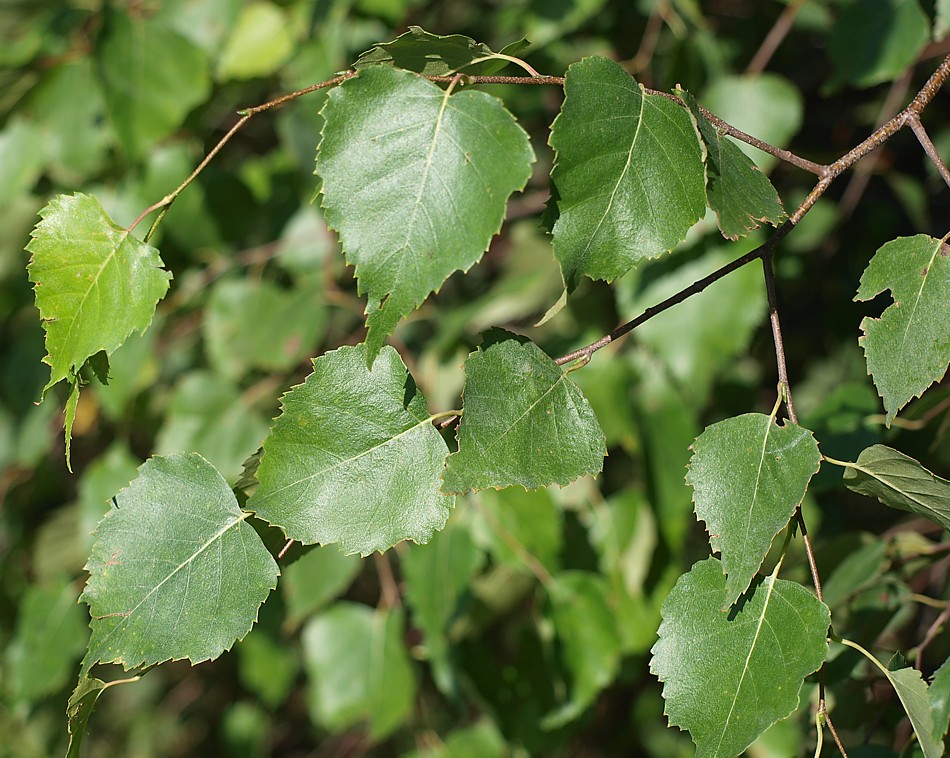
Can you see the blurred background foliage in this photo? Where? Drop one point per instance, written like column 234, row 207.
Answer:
column 525, row 627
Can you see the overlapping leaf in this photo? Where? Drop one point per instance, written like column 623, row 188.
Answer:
column 436, row 55
column 728, row 677
column 416, row 182
column 590, row 641
column 908, row 348
column 80, row 707
column 901, row 482
column 525, row 421
column 94, row 282
column 748, row 476
column 175, row 571
column 354, row 458
column 628, row 177
column 358, row 668
column 740, row 194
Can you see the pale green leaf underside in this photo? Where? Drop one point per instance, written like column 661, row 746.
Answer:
column 908, row 348
column 728, row 677
column 525, row 422
column 436, row 55
column 897, row 480
column 628, row 178
column 175, row 571
column 359, row 669
column 80, row 707
column 416, row 182
column 739, row 193
column 748, row 475
column 940, row 701
column 915, row 697
column 94, row 282
column 354, row 458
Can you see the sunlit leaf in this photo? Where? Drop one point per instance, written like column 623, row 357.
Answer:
column 897, row 480
column 739, row 193
column 436, row 55
column 728, row 677
column 259, row 43
column 175, row 571
column 748, row 475
column 358, row 668
column 628, row 175
column 354, row 458
column 525, row 422
column 94, row 282
column 152, row 77
column 416, row 182
column 908, row 347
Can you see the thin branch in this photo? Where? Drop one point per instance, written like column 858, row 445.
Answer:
column 858, row 183
column 781, row 364
column 693, row 289
column 922, row 137
column 931, row 634
column 389, row 591
column 834, row 732
column 773, row 39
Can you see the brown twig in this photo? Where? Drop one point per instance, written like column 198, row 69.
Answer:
column 922, row 137
column 931, row 634
column 773, row 39
column 831, row 728
column 693, row 289
column 388, row 590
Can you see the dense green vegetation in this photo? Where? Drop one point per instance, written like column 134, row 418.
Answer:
column 528, row 624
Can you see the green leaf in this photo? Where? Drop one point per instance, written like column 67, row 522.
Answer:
column 437, row 577
column 152, row 78
column 416, row 181
column 80, row 707
column 628, row 174
column 22, row 158
column 590, row 642
column 94, row 282
column 898, row 481
column 748, row 475
column 358, row 669
column 940, row 702
column 524, row 421
column 50, row 638
column 268, row 666
column 436, row 55
column 516, row 524
column 739, row 193
column 908, row 348
column 259, row 44
column 256, row 324
column 174, row 572
column 875, row 41
column 315, row 579
column 354, row 457
column 914, row 695
column 701, row 338
column 206, row 412
column 766, row 105
column 728, row 677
